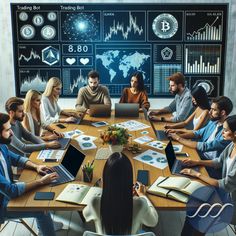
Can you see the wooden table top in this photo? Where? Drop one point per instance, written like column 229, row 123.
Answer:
column 26, row 202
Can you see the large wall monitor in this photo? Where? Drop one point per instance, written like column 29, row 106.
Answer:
column 69, row 40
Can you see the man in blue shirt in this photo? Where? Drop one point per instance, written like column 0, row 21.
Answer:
column 182, row 104
column 9, row 189
column 210, row 142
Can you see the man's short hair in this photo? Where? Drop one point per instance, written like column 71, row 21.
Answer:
column 93, row 74
column 12, row 104
column 223, row 103
column 4, row 118
column 177, row 78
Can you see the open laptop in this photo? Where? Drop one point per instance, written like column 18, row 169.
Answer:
column 69, row 166
column 80, row 119
column 126, row 110
column 100, row 110
column 175, row 165
column 64, row 142
column 160, row 134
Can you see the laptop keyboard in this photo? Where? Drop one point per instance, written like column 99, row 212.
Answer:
column 63, row 178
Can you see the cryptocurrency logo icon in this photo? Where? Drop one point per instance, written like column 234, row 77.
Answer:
column 52, row 16
column 48, row 32
column 38, row 20
column 23, row 16
column 165, row 26
column 27, row 31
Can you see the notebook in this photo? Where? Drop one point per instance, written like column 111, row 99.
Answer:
column 100, row 110
column 175, row 165
column 69, row 166
column 126, row 110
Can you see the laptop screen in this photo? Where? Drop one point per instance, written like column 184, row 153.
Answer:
column 126, row 110
column 170, row 155
column 72, row 160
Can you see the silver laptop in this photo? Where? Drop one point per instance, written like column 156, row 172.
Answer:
column 160, row 134
column 69, row 166
column 175, row 165
column 100, row 110
column 64, row 142
column 126, row 110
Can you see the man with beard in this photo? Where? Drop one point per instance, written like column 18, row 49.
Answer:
column 15, row 109
column 9, row 189
column 210, row 142
column 182, row 103
column 93, row 93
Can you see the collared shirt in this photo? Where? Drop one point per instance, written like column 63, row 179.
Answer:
column 9, row 189
column 218, row 144
column 182, row 105
column 213, row 154
column 4, row 166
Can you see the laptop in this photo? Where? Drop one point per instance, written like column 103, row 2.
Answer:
column 99, row 110
column 126, row 110
column 175, row 165
column 79, row 119
column 64, row 142
column 160, row 134
column 69, row 166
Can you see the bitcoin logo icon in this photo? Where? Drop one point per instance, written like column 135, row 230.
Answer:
column 165, row 26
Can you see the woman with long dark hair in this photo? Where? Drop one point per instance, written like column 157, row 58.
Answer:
column 136, row 93
column 226, row 161
column 117, row 212
column 201, row 114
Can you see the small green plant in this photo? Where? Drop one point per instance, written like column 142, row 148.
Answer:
column 115, row 136
column 88, row 171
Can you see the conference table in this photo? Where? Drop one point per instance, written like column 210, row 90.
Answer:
column 26, row 202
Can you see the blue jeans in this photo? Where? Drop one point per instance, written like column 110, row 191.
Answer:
column 44, row 220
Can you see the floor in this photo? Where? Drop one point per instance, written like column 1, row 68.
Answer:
column 170, row 224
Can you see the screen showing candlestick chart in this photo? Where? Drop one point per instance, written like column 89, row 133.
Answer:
column 118, row 39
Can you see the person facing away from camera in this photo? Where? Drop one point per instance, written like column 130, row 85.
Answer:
column 117, row 211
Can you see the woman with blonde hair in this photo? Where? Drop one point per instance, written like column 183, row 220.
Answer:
column 33, row 120
column 50, row 108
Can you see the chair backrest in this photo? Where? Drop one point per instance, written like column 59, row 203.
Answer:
column 89, row 233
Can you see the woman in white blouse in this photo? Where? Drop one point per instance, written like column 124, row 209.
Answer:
column 49, row 107
column 117, row 211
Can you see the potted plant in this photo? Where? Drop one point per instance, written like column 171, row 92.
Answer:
column 116, row 137
column 88, row 172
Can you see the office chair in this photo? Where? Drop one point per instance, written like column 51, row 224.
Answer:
column 89, row 233
column 21, row 221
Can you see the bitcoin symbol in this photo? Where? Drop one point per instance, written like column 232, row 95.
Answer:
column 165, row 26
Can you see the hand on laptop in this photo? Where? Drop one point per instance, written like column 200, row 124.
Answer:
column 43, row 170
column 48, row 178
column 70, row 119
column 174, row 136
column 53, row 144
column 188, row 162
column 58, row 134
column 190, row 172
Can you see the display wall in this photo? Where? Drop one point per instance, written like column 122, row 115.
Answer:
column 68, row 41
